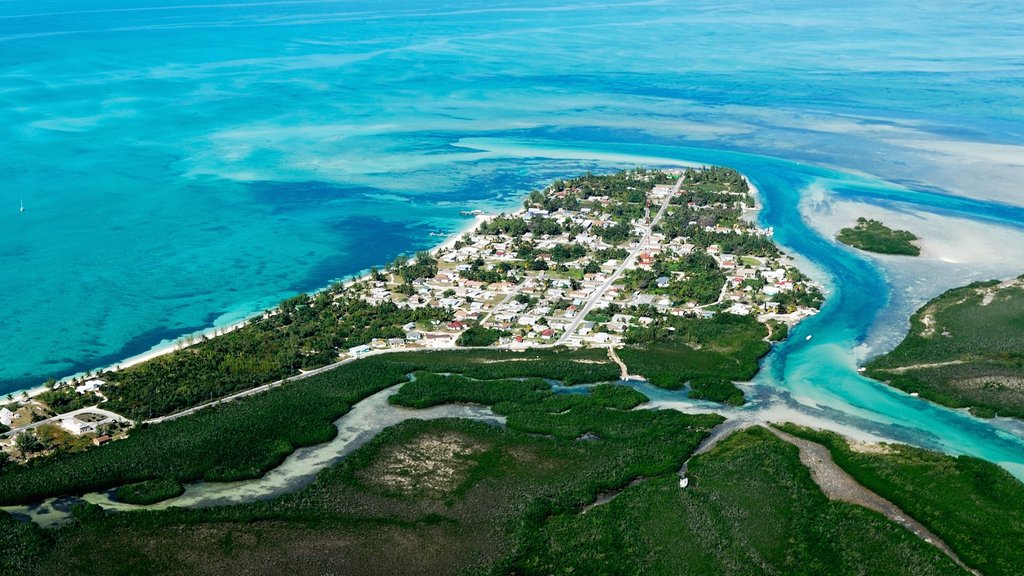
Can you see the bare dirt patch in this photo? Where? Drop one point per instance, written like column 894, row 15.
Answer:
column 432, row 463
column 869, row 447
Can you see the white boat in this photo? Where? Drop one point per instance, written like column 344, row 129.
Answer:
column 808, row 337
column 22, row 205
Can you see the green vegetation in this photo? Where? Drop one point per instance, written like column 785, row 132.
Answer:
column 751, row 508
column 428, row 389
column 307, row 332
column 717, row 390
column 716, row 177
column 477, row 335
column 65, row 399
column 965, row 348
column 230, row 442
column 674, row 350
column 568, row 366
column 575, row 483
column 625, row 188
column 245, row 439
column 873, row 236
column 22, row 543
column 974, row 505
column 150, row 492
column 779, row 331
column 444, row 496
column 702, row 282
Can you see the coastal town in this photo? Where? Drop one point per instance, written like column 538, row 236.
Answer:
column 595, row 261
column 581, row 266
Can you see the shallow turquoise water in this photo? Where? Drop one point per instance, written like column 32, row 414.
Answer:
column 183, row 166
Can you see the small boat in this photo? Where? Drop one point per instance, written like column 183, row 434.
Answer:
column 22, row 205
column 809, row 336
column 471, row 212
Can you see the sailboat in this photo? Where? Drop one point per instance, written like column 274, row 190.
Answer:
column 22, row 205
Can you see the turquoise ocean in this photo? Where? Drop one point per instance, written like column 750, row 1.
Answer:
column 185, row 165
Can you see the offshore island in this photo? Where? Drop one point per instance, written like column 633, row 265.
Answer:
column 487, row 408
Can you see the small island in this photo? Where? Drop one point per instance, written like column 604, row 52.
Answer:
column 873, row 236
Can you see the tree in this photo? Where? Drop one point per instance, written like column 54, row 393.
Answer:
column 27, row 443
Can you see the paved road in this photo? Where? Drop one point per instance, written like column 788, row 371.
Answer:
column 515, row 290
column 626, row 263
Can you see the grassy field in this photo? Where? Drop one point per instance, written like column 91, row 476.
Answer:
column 975, row 506
column 965, row 349
column 873, row 236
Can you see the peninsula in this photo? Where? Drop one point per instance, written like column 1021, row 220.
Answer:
column 480, row 410
column 965, row 349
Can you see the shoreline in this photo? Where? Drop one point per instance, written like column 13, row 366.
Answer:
column 163, row 349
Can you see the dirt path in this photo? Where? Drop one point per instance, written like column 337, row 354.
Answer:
column 902, row 369
column 838, row 485
column 624, row 371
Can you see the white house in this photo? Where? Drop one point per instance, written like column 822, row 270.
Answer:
column 90, row 386
column 76, row 426
column 6, row 416
column 359, row 350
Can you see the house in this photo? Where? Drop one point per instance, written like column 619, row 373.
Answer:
column 359, row 350
column 6, row 416
column 413, row 336
column 739, row 309
column 662, row 282
column 77, row 426
column 90, row 386
column 547, row 334
column 101, row 440
column 456, row 325
column 396, row 343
